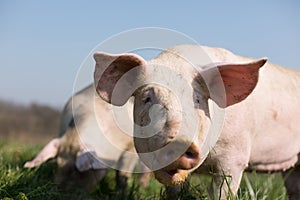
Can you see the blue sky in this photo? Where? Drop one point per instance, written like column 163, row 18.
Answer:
column 43, row 43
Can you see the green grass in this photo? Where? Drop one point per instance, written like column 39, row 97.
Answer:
column 20, row 184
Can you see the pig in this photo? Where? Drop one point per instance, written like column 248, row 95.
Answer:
column 174, row 131
column 80, row 161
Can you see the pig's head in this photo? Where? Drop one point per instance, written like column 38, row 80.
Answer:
column 170, row 128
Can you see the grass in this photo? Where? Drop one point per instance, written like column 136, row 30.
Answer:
column 21, row 184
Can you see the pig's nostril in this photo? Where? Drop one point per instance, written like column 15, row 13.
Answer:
column 192, row 152
column 182, row 154
column 191, row 155
column 189, row 159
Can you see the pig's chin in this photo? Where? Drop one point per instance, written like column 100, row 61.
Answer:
column 171, row 177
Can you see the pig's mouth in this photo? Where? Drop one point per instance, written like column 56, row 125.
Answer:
column 178, row 171
column 171, row 177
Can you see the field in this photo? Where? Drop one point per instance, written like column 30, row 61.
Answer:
column 19, row 183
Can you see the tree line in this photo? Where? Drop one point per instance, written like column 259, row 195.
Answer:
column 34, row 122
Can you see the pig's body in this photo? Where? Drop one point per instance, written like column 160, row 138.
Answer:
column 262, row 110
column 90, row 143
column 267, row 120
column 274, row 124
column 261, row 132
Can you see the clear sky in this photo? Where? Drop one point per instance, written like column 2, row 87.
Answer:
column 43, row 43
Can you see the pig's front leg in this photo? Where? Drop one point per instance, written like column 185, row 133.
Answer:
column 226, row 183
column 229, row 162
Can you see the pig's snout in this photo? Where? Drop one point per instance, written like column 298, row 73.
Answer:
column 188, row 160
column 179, row 154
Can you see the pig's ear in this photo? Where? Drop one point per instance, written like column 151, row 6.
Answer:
column 110, row 68
column 232, row 83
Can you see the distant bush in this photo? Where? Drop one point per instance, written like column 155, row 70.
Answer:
column 30, row 123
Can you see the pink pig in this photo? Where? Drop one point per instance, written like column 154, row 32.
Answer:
column 260, row 101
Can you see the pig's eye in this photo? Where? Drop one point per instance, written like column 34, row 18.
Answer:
column 147, row 100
